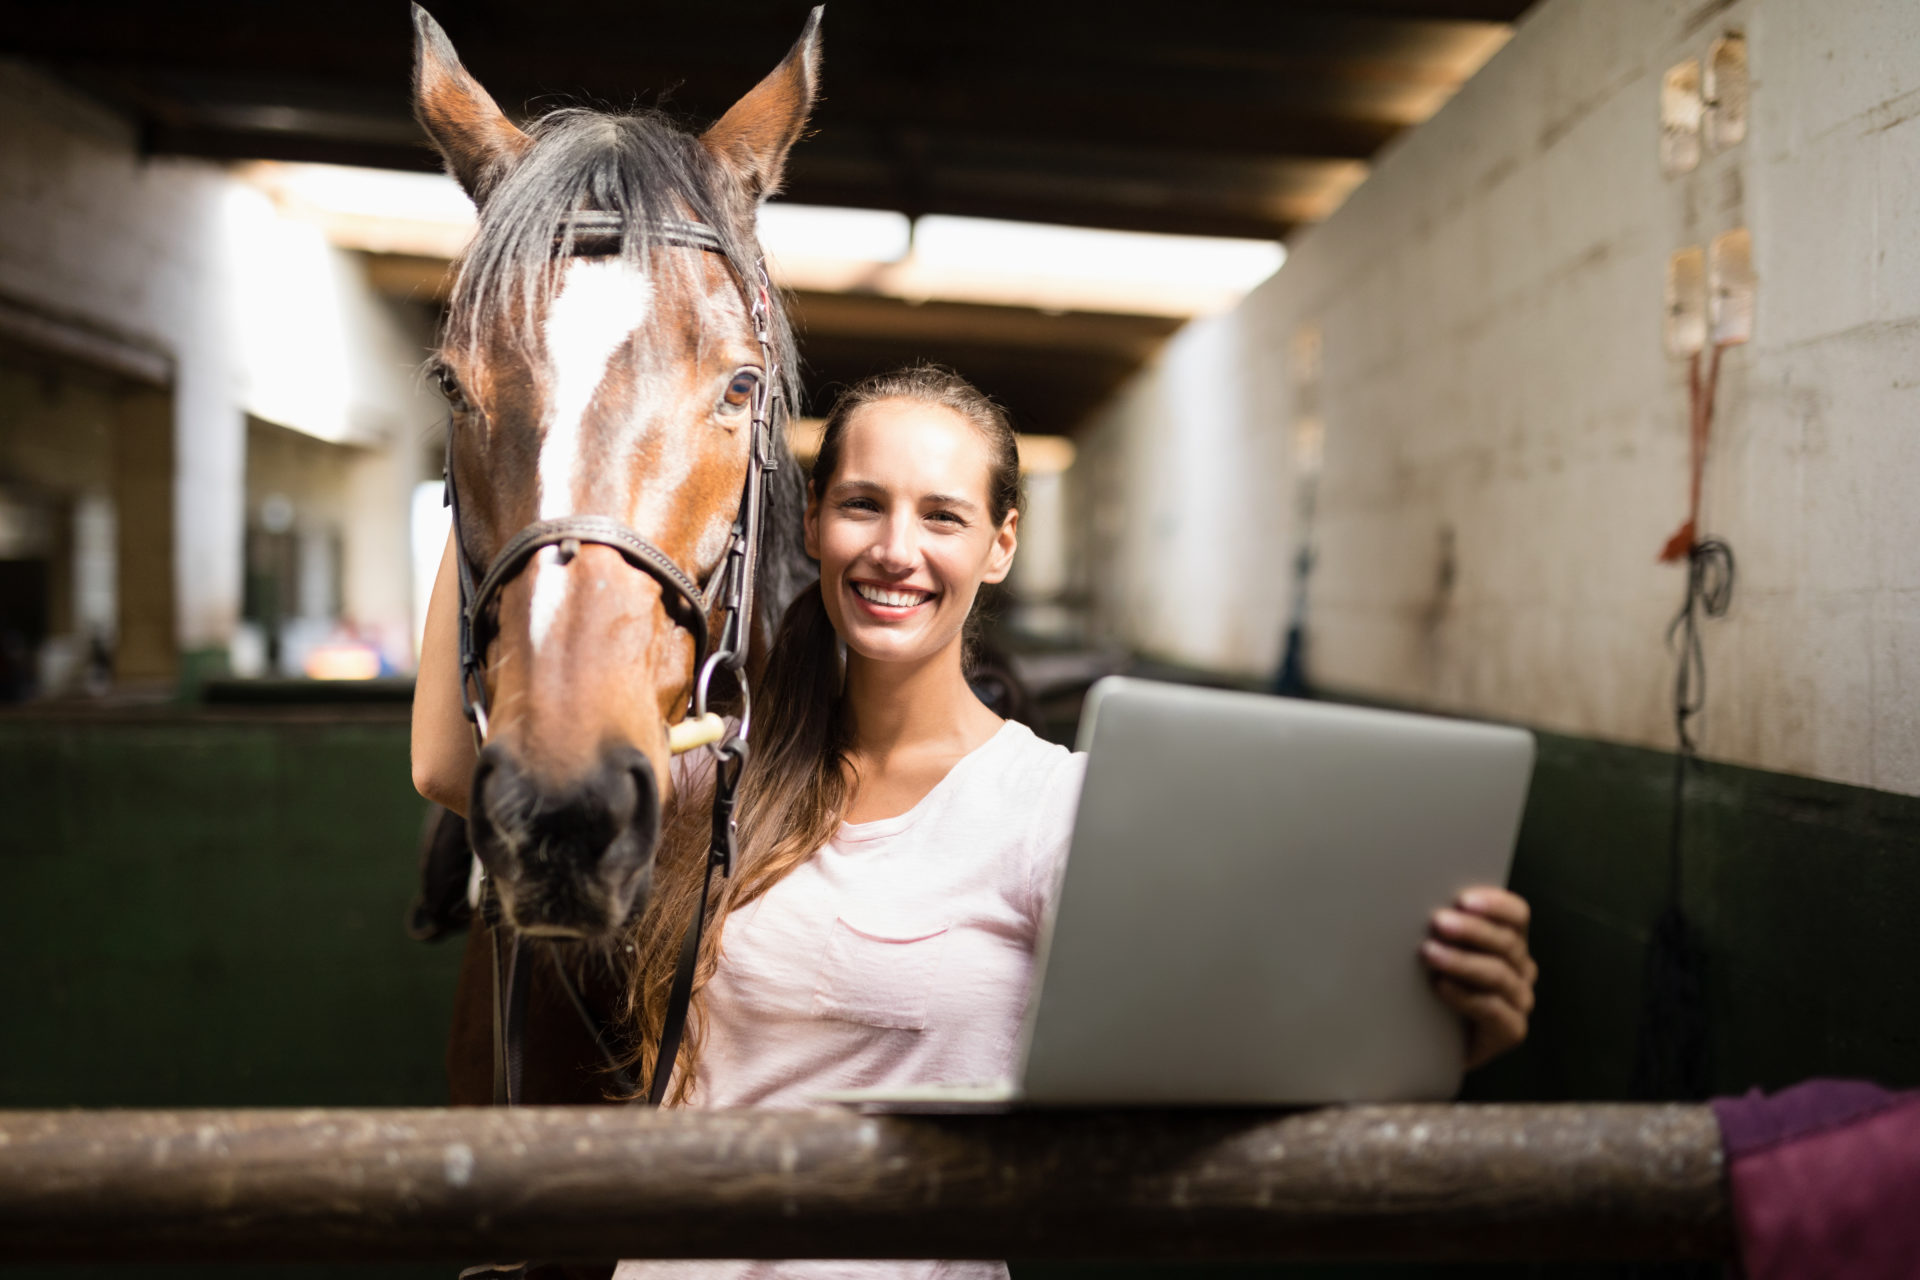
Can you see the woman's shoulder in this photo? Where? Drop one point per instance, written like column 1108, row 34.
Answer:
column 1038, row 785
column 1032, row 774
column 1021, row 750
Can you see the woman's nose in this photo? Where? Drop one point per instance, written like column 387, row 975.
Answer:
column 898, row 548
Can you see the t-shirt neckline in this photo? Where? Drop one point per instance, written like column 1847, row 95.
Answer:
column 880, row 828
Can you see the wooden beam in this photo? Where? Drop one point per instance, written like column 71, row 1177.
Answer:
column 931, row 110
column 1064, row 205
column 410, row 277
column 1486, row 1183
column 1045, row 393
column 853, row 315
column 627, row 49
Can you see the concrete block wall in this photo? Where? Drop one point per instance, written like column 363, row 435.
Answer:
column 1506, row 436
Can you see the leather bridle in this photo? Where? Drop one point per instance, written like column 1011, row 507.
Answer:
column 728, row 592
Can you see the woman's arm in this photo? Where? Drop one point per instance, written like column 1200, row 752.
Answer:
column 443, row 755
column 1482, row 968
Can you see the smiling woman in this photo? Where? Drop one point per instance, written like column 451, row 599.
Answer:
column 899, row 843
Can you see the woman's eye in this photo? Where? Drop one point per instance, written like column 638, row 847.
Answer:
column 740, row 390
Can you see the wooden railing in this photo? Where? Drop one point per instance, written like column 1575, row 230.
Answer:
column 1428, row 1182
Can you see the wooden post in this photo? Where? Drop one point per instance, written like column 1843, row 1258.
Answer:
column 147, row 650
column 1403, row 1182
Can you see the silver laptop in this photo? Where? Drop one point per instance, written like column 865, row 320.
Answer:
column 1249, row 883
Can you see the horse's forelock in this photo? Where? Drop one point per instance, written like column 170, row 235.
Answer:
column 644, row 167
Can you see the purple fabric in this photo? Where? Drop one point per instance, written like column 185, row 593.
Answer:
column 1826, row 1181
column 1747, row 1124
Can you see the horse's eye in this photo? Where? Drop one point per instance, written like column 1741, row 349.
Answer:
column 450, row 388
column 740, row 390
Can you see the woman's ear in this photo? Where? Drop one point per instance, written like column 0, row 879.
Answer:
column 810, row 524
column 1005, row 543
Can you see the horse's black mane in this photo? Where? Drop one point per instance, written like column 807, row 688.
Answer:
column 642, row 166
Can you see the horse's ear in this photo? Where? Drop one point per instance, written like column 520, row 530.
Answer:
column 754, row 136
column 475, row 137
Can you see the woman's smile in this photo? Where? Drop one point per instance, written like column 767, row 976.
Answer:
column 890, row 601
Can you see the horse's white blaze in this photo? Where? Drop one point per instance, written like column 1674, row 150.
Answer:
column 599, row 305
column 549, row 590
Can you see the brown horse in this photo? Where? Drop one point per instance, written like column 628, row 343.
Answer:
column 598, row 366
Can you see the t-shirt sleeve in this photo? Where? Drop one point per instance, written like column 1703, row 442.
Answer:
column 1057, row 800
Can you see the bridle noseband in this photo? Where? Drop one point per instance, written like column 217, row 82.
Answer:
column 690, row 604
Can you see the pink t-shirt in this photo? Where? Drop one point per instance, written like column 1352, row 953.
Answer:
column 900, row 954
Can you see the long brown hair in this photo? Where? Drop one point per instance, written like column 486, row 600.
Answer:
column 797, row 781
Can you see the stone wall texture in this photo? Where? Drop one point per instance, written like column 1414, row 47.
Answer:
column 1506, row 435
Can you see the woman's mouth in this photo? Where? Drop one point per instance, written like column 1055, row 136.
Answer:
column 890, row 602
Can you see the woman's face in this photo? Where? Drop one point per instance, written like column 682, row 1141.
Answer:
column 903, row 530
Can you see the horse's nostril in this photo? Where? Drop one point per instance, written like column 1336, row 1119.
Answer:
column 571, row 856
column 646, row 803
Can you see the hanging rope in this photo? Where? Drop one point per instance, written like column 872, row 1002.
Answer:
column 1709, row 560
column 1671, row 1057
column 1709, row 593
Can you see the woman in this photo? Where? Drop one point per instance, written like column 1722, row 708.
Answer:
column 899, row 842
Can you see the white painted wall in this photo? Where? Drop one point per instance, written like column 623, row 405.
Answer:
column 1490, row 305
column 87, row 229
column 260, row 315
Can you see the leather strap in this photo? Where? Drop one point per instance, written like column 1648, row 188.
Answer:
column 509, row 1010
column 683, row 597
column 731, row 761
column 595, row 1028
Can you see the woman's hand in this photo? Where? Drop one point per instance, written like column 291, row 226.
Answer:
column 1478, row 959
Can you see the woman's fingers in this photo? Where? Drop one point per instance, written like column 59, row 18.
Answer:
column 1494, row 974
column 1493, row 1025
column 1482, row 968
column 1479, row 933
column 1504, row 905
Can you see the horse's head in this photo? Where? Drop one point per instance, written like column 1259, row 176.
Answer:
column 597, row 366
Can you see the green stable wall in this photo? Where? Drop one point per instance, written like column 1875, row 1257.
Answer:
column 1804, row 894
column 206, row 910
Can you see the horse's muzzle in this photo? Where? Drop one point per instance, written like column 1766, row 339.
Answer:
column 572, row 859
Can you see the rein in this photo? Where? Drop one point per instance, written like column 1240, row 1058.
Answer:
column 691, row 606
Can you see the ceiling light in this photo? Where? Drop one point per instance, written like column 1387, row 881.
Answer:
column 937, row 257
column 816, row 231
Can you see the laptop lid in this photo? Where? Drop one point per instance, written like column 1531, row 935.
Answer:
column 1249, row 883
